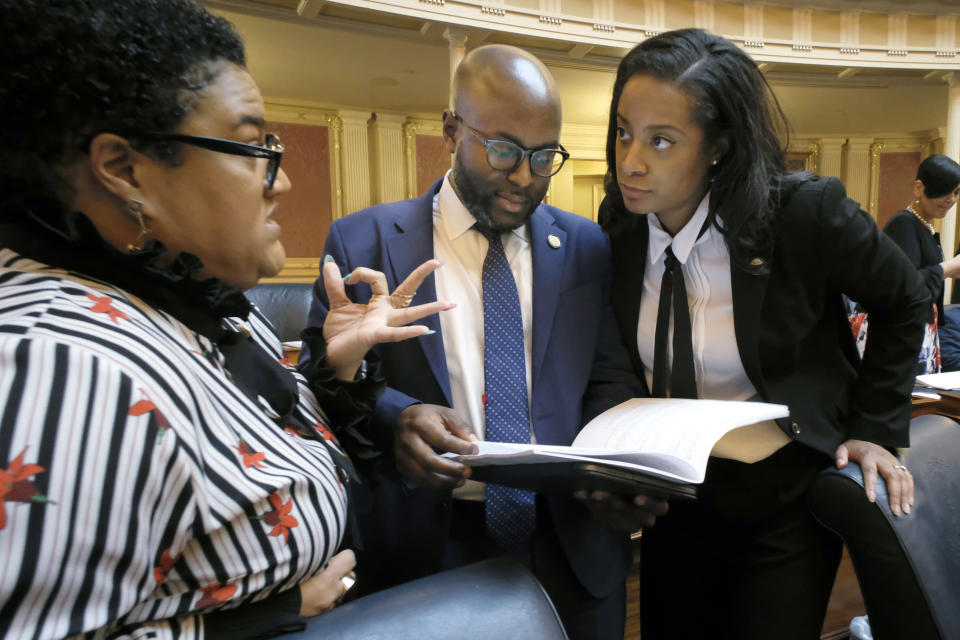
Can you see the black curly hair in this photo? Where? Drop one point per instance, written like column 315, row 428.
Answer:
column 738, row 113
column 75, row 68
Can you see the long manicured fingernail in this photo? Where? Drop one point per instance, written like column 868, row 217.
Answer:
column 429, row 333
column 449, row 306
column 906, row 508
column 347, row 277
column 327, row 258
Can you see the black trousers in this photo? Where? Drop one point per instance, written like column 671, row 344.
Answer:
column 584, row 616
column 746, row 560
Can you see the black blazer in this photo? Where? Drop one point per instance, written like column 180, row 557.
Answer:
column 791, row 327
column 923, row 250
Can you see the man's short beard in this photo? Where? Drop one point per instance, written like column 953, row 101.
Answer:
column 477, row 203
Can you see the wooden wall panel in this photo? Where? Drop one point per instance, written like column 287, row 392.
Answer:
column 433, row 161
column 306, row 212
column 897, row 173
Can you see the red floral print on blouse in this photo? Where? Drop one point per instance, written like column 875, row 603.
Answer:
column 251, row 458
column 145, row 406
column 279, row 517
column 166, row 563
column 325, row 432
column 215, row 594
column 15, row 485
column 105, row 305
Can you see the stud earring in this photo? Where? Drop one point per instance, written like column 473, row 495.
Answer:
column 135, row 210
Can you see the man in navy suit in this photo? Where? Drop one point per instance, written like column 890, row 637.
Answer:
column 503, row 131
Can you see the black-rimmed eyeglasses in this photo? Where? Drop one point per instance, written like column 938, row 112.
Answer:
column 272, row 149
column 504, row 155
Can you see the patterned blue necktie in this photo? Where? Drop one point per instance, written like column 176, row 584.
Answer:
column 510, row 512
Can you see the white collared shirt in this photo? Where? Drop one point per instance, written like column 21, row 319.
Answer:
column 705, row 262
column 461, row 250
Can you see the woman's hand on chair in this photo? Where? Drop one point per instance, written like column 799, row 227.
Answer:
column 874, row 459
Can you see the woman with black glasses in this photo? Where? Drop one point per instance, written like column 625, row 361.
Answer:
column 163, row 472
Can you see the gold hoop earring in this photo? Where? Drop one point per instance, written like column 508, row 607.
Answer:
column 135, row 210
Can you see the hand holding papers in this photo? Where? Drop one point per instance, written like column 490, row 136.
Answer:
column 645, row 445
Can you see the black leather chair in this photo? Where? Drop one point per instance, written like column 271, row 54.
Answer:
column 495, row 599
column 908, row 567
column 286, row 305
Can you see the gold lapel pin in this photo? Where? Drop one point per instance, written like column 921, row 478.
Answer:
column 554, row 241
column 756, row 262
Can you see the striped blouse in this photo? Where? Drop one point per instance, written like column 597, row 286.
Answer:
column 139, row 487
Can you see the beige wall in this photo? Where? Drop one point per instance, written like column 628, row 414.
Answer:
column 359, row 99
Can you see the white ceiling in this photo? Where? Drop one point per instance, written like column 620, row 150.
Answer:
column 339, row 62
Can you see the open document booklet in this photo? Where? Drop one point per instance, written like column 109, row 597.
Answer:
column 654, row 446
column 934, row 385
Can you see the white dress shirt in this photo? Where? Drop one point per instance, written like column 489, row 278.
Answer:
column 705, row 263
column 461, row 250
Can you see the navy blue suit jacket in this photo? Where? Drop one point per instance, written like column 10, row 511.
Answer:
column 579, row 369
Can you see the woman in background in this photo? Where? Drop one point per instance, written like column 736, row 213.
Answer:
column 728, row 275
column 935, row 191
column 163, row 473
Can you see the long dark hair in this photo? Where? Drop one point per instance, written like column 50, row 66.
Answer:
column 739, row 115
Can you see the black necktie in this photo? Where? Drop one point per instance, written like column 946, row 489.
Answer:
column 683, row 381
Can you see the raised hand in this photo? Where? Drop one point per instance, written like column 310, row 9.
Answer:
column 351, row 329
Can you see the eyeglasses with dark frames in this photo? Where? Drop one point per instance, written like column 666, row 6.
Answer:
column 504, row 155
column 272, row 149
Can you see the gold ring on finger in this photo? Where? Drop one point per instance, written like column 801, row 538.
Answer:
column 403, row 300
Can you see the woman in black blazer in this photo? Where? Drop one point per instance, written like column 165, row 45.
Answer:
column 935, row 191
column 756, row 260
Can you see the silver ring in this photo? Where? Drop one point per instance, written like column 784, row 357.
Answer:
column 347, row 583
column 899, row 467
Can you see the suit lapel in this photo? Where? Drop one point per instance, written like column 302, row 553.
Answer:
column 409, row 246
column 548, row 257
column 749, row 285
column 629, row 265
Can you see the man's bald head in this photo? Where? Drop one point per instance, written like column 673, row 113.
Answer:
column 495, row 73
column 505, row 106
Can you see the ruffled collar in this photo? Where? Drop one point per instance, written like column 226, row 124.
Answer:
column 36, row 229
